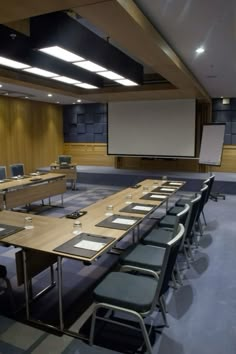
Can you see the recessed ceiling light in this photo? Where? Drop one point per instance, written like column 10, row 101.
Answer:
column 89, row 65
column 49, row 95
column 61, row 53
column 73, row 103
column 41, row 72
column 200, row 50
column 26, row 97
column 0, row 85
column 86, row 86
column 67, row 80
column 126, row 82
column 57, row 102
column 12, row 63
column 78, row 100
column 110, row 75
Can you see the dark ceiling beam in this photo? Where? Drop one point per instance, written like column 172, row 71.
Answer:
column 126, row 25
column 69, row 34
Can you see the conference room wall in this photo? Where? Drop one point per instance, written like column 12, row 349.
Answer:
column 30, row 132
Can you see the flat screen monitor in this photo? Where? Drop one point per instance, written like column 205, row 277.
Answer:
column 64, row 159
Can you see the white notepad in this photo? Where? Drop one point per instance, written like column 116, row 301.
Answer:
column 168, row 189
column 124, row 221
column 142, row 208
column 90, row 245
column 159, row 196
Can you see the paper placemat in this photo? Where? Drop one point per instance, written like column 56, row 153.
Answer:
column 138, row 208
column 119, row 222
column 7, row 230
column 155, row 196
column 84, row 245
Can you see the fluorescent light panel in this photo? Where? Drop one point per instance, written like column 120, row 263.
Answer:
column 61, row 53
column 12, row 63
column 110, row 75
column 126, row 82
column 89, row 65
column 41, row 72
column 67, row 80
column 86, row 86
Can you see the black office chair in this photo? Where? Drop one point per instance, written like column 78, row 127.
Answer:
column 17, row 169
column 136, row 294
column 2, row 172
column 6, row 286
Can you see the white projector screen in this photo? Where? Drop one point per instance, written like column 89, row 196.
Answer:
column 163, row 128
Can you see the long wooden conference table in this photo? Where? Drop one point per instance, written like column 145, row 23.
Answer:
column 24, row 190
column 53, row 239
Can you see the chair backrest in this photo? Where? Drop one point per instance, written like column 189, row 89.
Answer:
column 17, row 169
column 191, row 218
column 168, row 264
column 2, row 172
column 179, row 217
column 203, row 193
column 209, row 182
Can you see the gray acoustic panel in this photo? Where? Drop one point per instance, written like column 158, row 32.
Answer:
column 222, row 116
column 228, row 139
column 233, row 127
column 233, row 140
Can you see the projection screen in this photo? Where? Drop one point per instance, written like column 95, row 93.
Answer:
column 163, row 128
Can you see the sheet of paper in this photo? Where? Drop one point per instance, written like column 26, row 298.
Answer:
column 142, row 208
column 158, row 196
column 124, row 221
column 167, row 189
column 2, row 229
column 175, row 184
column 90, row 245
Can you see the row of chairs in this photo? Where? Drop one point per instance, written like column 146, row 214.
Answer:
column 147, row 267
column 15, row 170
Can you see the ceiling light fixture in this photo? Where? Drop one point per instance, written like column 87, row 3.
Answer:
column 78, row 100
column 200, row 50
column 49, row 95
column 89, row 65
column 67, row 80
column 61, row 53
column 86, row 86
column 126, row 82
column 41, row 72
column 110, row 75
column 12, row 63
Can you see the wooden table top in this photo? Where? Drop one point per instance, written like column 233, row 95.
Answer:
column 49, row 233
column 34, row 178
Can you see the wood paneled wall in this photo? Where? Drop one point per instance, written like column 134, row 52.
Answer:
column 30, row 133
column 89, row 154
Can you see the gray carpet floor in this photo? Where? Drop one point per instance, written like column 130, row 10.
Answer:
column 202, row 312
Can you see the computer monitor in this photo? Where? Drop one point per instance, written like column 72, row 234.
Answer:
column 64, row 159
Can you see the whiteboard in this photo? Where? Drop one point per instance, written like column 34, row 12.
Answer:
column 163, row 128
column 212, row 144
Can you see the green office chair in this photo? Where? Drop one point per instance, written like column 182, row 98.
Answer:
column 136, row 294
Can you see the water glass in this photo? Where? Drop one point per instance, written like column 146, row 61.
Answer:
column 77, row 228
column 28, row 223
column 128, row 199
column 145, row 189
column 109, row 210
